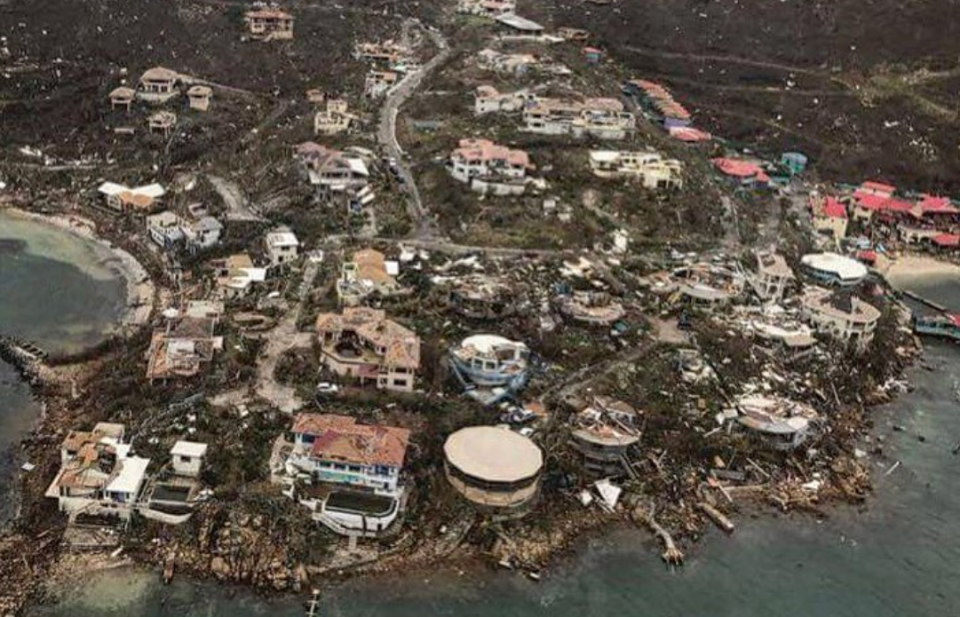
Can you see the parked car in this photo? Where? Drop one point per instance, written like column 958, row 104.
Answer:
column 325, row 387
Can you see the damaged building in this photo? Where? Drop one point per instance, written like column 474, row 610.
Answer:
column 199, row 97
column 351, row 471
column 366, row 274
column 486, row 8
column 840, row 314
column 483, row 299
column 330, row 170
column 490, row 367
column 122, row 96
column 362, row 344
column 378, row 83
column 516, row 64
column 648, row 168
column 282, row 247
column 99, row 474
column 159, row 85
column 334, row 119
column 487, row 100
column 777, row 423
column 600, row 118
column 603, row 432
column 236, row 275
column 708, row 284
column 269, row 24
column 590, row 308
column 182, row 348
column 770, row 276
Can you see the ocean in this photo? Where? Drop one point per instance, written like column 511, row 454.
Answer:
column 56, row 290
column 897, row 556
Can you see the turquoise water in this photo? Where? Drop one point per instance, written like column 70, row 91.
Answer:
column 57, row 290
column 898, row 557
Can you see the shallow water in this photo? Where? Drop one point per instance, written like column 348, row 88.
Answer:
column 896, row 558
column 58, row 291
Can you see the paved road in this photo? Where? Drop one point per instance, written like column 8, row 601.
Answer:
column 387, row 131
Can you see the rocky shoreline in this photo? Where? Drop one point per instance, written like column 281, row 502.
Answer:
column 30, row 544
column 264, row 563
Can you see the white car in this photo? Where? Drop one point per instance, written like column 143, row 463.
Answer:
column 325, row 387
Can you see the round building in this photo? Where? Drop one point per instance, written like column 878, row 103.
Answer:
column 493, row 467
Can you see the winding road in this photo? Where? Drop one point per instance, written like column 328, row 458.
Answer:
column 387, row 131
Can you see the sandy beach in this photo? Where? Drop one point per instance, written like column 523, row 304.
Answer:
column 140, row 288
column 900, row 273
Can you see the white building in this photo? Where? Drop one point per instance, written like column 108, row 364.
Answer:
column 490, row 168
column 488, row 99
column 841, row 315
column 203, row 234
column 486, row 8
column 282, row 247
column 187, row 457
column 98, row 473
column 770, row 276
column 834, row 269
column 122, row 198
column 354, row 471
column 500, row 62
column 166, row 230
column 331, row 170
column 648, row 167
column 602, row 118
column 236, row 275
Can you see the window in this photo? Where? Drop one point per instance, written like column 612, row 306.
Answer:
column 185, row 459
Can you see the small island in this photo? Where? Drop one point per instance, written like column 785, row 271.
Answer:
column 375, row 328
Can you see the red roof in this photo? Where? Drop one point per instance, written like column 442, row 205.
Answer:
column 739, row 168
column 591, row 50
column 878, row 187
column 936, row 205
column 833, row 209
column 896, row 205
column 867, row 256
column 340, row 438
column 955, row 319
column 871, row 201
column 689, row 134
column 947, row 240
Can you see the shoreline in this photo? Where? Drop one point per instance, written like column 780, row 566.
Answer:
column 916, row 268
column 140, row 289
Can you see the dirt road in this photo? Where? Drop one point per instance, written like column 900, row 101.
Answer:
column 238, row 206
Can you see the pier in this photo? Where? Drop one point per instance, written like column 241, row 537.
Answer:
column 313, row 605
column 925, row 301
column 25, row 356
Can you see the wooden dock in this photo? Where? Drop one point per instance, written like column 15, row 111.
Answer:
column 313, row 606
column 925, row 301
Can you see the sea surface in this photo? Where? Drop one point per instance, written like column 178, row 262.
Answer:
column 897, row 557
column 59, row 291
